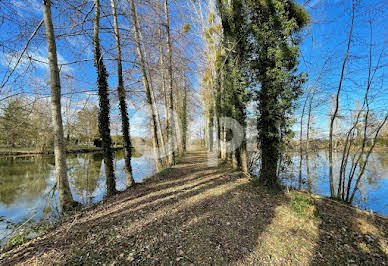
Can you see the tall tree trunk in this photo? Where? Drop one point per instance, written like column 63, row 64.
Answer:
column 235, row 157
column 223, row 143
column 163, row 77
column 244, row 155
column 365, row 162
column 300, row 143
column 170, row 86
column 178, row 99
column 334, row 116
column 159, row 124
column 269, row 140
column 211, row 135
column 184, row 120
column 153, row 98
column 308, row 143
column 308, row 174
column 180, row 92
column 155, row 141
column 205, row 132
column 217, row 118
column 125, row 126
column 65, row 197
column 309, row 123
column 103, row 115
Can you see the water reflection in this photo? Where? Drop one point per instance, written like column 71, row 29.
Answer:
column 373, row 190
column 23, row 178
column 26, row 183
column 85, row 176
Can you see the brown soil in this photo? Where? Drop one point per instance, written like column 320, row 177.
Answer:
column 197, row 214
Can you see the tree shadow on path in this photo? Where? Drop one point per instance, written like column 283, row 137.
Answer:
column 202, row 215
column 349, row 236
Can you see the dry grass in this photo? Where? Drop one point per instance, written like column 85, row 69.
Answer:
column 197, row 214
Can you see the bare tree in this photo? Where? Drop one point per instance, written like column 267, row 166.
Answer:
column 155, row 140
column 170, row 86
column 103, row 116
column 334, row 116
column 163, row 80
column 125, row 126
column 65, row 197
column 359, row 134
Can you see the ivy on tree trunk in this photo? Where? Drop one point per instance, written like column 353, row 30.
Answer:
column 103, row 114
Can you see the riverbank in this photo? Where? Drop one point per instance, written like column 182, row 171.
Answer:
column 196, row 214
column 21, row 151
column 296, row 148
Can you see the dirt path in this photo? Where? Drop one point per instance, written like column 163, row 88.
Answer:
column 196, row 214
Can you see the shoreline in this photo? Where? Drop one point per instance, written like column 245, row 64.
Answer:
column 70, row 151
column 326, row 149
column 203, row 202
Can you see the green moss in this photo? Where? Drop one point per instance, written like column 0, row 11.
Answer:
column 163, row 174
column 19, row 238
column 303, row 205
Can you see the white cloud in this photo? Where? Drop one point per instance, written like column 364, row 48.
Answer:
column 33, row 6
column 37, row 58
column 80, row 43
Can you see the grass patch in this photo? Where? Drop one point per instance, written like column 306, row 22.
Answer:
column 161, row 175
column 303, row 205
column 25, row 230
column 165, row 173
column 201, row 215
column 18, row 239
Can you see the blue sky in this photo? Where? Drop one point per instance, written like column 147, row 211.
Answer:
column 325, row 45
column 323, row 50
column 31, row 79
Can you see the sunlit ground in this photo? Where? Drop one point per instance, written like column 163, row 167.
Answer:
column 197, row 213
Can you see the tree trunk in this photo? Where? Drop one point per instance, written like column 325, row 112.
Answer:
column 125, row 126
column 181, row 106
column 300, row 143
column 65, row 197
column 163, row 77
column 269, row 162
column 157, row 116
column 244, row 157
column 236, row 158
column 210, row 137
column 184, row 120
column 170, row 86
column 155, row 141
column 331, row 178
column 364, row 164
column 308, row 144
column 218, row 128
column 153, row 98
column 223, row 143
column 309, row 123
column 178, row 123
column 269, row 140
column 205, row 132
column 103, row 115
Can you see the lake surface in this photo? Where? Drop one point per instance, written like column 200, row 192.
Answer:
column 26, row 183
column 373, row 193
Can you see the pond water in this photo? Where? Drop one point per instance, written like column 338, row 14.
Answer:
column 373, row 192
column 26, row 183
